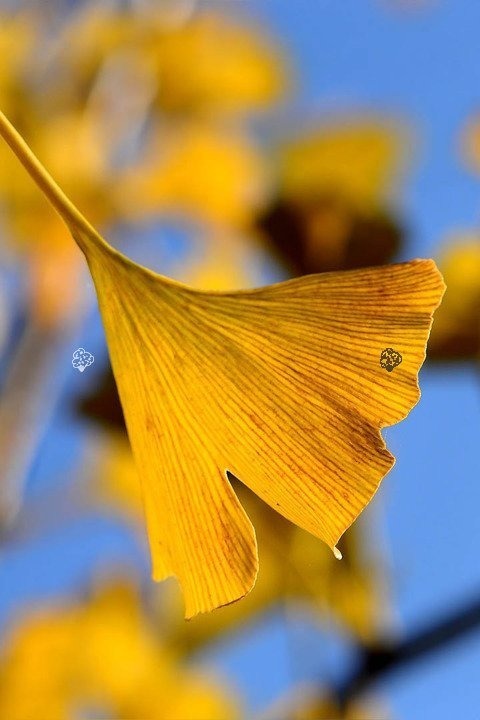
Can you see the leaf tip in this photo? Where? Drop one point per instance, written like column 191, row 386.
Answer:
column 337, row 553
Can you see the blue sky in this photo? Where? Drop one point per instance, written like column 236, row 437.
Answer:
column 423, row 66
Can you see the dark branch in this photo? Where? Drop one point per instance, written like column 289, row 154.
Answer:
column 378, row 661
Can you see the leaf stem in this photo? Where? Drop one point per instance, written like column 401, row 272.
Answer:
column 72, row 217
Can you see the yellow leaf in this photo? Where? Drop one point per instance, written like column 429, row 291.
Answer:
column 212, row 173
column 456, row 332
column 282, row 386
column 49, row 671
column 208, row 65
column 225, row 67
column 356, row 159
column 17, row 39
column 117, row 485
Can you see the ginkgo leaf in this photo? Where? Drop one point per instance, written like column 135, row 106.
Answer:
column 49, row 671
column 456, row 334
column 359, row 158
column 281, row 386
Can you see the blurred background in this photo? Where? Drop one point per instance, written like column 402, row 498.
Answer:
column 229, row 145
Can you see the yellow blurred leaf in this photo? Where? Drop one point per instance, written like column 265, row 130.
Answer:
column 461, row 265
column 281, row 385
column 470, row 144
column 17, row 38
column 224, row 67
column 222, row 265
column 456, row 333
column 101, row 653
column 357, row 159
column 209, row 65
column 117, row 484
column 212, row 173
column 55, row 284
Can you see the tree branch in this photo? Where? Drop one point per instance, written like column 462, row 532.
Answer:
column 382, row 659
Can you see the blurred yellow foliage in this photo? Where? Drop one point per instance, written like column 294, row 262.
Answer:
column 470, row 144
column 456, row 330
column 91, row 37
column 205, row 171
column 117, row 483
column 213, row 65
column 461, row 268
column 221, row 268
column 210, row 65
column 356, row 158
column 101, row 654
column 334, row 204
column 17, row 36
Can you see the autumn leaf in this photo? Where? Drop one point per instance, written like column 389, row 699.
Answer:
column 17, row 33
column 359, row 158
column 282, row 386
column 456, row 334
column 228, row 184
column 49, row 671
column 334, row 189
column 227, row 68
